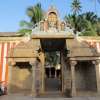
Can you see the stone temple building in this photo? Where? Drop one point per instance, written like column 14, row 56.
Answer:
column 22, row 60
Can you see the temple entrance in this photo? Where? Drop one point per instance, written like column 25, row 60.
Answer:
column 52, row 49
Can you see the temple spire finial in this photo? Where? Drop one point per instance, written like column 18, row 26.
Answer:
column 52, row 8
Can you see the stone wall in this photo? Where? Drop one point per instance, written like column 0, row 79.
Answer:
column 21, row 80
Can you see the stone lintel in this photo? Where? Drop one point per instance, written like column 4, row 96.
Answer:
column 39, row 36
column 84, row 58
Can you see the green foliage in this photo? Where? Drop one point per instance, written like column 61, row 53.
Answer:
column 25, row 32
column 53, row 58
column 90, row 16
column 76, row 8
column 35, row 13
column 98, row 27
column 26, row 24
column 26, row 28
column 70, row 20
column 86, row 23
column 90, row 30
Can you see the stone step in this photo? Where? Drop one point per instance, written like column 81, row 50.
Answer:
column 55, row 94
column 52, row 84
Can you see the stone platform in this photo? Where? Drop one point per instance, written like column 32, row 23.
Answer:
column 22, row 97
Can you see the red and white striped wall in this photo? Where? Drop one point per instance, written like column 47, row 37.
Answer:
column 4, row 48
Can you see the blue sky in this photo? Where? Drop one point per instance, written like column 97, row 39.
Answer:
column 13, row 11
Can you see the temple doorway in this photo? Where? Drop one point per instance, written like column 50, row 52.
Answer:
column 53, row 76
column 53, row 79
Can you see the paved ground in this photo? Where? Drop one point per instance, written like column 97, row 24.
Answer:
column 22, row 97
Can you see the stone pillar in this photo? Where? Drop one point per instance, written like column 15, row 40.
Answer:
column 10, row 65
column 42, row 58
column 33, row 64
column 97, row 65
column 73, row 63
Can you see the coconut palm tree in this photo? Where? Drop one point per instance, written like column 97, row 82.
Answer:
column 35, row 13
column 70, row 20
column 90, row 16
column 86, row 23
column 90, row 29
column 76, row 8
column 26, row 28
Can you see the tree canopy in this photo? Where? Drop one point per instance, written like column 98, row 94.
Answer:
column 35, row 13
column 86, row 24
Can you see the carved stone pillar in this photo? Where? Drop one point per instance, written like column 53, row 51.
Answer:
column 42, row 58
column 97, row 65
column 73, row 63
column 33, row 64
